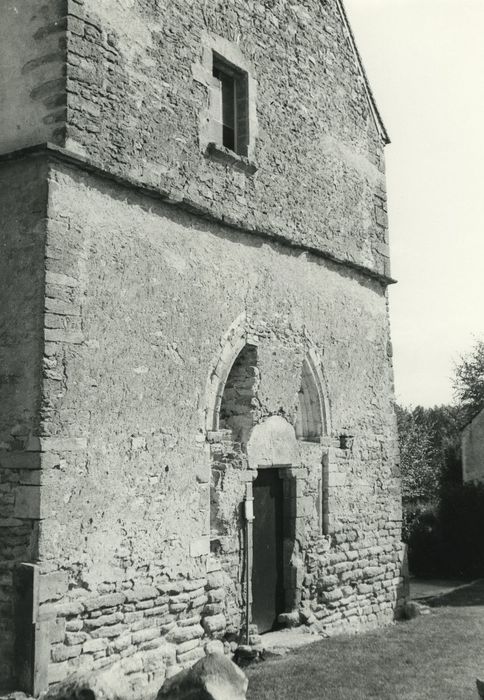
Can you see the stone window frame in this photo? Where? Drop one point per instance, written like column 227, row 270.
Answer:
column 225, row 73
column 230, row 53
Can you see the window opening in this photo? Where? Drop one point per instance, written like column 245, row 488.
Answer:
column 230, row 113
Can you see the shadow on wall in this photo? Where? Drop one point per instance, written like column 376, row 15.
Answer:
column 239, row 406
column 445, row 538
column 403, row 587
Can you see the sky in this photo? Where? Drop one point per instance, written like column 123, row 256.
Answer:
column 425, row 63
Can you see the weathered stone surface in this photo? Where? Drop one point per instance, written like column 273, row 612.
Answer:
column 214, row 623
column 246, row 654
column 414, row 609
column 31, row 113
column 189, row 657
column 141, row 593
column 102, row 620
column 104, row 601
column 213, row 608
column 214, row 677
column 216, row 579
column 110, row 684
column 94, row 645
column 114, row 455
column 291, row 619
column 273, row 442
column 215, row 646
column 183, row 634
column 216, row 595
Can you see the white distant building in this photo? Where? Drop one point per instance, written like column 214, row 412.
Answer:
column 473, row 450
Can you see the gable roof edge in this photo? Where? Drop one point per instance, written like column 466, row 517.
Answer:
column 472, row 419
column 371, row 98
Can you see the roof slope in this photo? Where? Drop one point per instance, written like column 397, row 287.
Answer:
column 371, row 98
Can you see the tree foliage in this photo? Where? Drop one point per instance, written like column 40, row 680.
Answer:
column 430, row 464
column 443, row 518
column 419, row 478
column 468, row 382
column 429, row 451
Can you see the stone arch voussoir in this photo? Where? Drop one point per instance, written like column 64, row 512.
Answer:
column 314, row 369
column 231, row 345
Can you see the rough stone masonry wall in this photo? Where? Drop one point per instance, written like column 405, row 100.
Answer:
column 342, row 549
column 353, row 573
column 140, row 297
column 225, row 614
column 137, row 300
column 136, row 100
column 23, row 200
column 33, row 80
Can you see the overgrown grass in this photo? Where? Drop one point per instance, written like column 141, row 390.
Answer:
column 434, row 657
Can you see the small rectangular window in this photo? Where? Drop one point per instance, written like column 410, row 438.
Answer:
column 229, row 106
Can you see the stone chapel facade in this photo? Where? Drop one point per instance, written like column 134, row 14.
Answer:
column 194, row 330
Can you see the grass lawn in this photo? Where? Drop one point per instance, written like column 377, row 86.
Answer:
column 434, row 657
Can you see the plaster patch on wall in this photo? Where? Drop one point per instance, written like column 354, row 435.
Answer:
column 132, row 30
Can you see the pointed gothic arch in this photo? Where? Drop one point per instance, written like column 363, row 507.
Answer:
column 237, row 405
column 232, row 344
column 312, row 418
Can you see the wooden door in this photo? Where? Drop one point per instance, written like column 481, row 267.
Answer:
column 267, row 572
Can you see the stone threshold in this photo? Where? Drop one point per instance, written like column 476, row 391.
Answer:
column 272, row 644
column 283, row 641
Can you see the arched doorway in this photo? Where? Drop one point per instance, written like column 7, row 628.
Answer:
column 272, row 449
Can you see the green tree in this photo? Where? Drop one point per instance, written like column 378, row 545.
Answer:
column 429, row 440
column 468, row 382
column 419, row 478
column 443, row 425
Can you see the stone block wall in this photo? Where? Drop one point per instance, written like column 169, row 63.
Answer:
column 138, row 99
column 124, row 533
column 23, row 203
column 33, row 85
column 353, row 567
column 343, row 564
column 138, row 267
column 146, row 627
